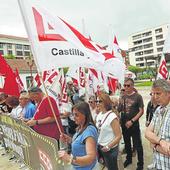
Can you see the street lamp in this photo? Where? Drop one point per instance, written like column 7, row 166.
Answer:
column 30, row 63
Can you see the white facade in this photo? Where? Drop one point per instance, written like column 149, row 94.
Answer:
column 146, row 47
column 17, row 46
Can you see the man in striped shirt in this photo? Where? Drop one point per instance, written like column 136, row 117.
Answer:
column 158, row 132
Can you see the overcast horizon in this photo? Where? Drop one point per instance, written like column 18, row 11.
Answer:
column 122, row 18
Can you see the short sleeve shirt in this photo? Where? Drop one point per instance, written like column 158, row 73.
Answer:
column 79, row 148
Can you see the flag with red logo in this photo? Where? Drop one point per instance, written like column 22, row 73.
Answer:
column 10, row 85
column 162, row 70
column 19, row 81
column 56, row 43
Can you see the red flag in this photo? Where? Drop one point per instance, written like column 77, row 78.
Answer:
column 19, row 81
column 112, row 84
column 10, row 85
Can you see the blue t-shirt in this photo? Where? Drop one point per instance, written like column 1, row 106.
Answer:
column 78, row 145
column 29, row 110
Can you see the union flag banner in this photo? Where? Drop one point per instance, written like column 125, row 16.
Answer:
column 54, row 42
column 162, row 71
column 10, row 85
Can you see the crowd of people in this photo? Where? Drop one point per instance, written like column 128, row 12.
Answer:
column 92, row 129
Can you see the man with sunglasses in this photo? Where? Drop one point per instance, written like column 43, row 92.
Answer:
column 131, row 108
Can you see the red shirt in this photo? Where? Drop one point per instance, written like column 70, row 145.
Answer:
column 43, row 111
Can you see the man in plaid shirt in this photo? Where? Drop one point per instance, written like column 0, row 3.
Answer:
column 158, row 132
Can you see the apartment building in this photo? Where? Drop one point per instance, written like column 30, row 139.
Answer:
column 16, row 46
column 146, row 47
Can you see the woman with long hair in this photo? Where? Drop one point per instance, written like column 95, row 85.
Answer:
column 84, row 143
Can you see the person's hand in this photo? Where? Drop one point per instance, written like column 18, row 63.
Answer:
column 105, row 149
column 128, row 124
column 31, row 122
column 65, row 138
column 63, row 155
column 165, row 146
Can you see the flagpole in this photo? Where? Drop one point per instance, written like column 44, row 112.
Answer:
column 38, row 68
column 45, row 89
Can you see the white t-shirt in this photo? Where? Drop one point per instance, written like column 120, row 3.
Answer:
column 65, row 107
column 16, row 112
column 106, row 134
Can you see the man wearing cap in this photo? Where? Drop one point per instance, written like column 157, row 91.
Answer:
column 44, row 121
column 28, row 107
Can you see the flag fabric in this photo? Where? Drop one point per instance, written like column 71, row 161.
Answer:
column 10, row 86
column 56, row 43
column 162, row 70
column 19, row 81
column 112, row 84
column 114, row 48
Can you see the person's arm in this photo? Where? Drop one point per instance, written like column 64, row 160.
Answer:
column 88, row 159
column 158, row 143
column 117, row 132
column 46, row 120
column 135, row 118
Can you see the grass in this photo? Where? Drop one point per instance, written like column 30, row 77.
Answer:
column 145, row 83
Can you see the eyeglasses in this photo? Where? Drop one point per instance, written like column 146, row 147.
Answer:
column 126, row 85
column 98, row 101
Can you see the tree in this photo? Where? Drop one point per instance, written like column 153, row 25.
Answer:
column 9, row 56
column 135, row 69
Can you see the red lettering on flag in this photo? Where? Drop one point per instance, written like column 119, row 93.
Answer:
column 40, row 29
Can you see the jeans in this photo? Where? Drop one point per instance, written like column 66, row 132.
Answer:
column 110, row 158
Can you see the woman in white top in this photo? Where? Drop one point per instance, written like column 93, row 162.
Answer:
column 109, row 131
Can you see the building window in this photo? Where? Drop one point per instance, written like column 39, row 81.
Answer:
column 26, row 47
column 9, row 52
column 20, row 53
column 158, row 30
column 29, row 80
column 160, row 49
column 147, row 40
column 151, row 63
column 147, row 34
column 160, row 43
column 137, row 42
column 148, row 51
column 148, row 45
column 158, row 37
column 18, row 46
column 1, row 45
column 139, row 59
column 9, row 46
column 2, row 52
column 140, row 65
column 139, row 53
column 136, row 36
column 26, row 53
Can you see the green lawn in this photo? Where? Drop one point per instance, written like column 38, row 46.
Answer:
column 146, row 83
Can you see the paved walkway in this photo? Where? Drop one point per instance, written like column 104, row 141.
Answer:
column 5, row 164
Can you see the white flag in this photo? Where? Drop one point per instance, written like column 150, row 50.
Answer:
column 162, row 70
column 54, row 42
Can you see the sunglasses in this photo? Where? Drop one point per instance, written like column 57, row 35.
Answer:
column 126, row 85
column 98, row 101
column 90, row 101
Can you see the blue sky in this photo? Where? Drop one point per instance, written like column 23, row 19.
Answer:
column 101, row 18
